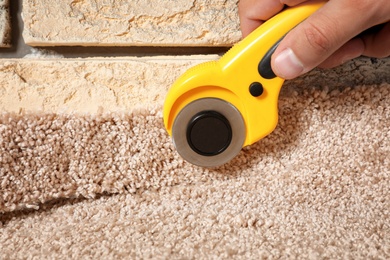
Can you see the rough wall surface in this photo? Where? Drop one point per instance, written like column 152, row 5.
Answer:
column 88, row 85
column 128, row 23
column 109, row 85
column 5, row 29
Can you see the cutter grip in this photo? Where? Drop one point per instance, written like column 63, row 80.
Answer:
column 264, row 68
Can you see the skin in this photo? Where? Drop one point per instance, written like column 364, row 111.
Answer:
column 339, row 31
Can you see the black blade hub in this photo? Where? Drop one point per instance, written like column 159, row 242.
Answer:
column 209, row 133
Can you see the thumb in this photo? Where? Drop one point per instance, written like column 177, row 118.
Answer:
column 318, row 37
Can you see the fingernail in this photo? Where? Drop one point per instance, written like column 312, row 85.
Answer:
column 287, row 65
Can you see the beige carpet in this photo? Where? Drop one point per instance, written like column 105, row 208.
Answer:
column 112, row 186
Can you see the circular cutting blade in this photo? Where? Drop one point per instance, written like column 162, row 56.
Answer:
column 208, row 132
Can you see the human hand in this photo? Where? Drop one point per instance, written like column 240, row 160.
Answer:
column 334, row 34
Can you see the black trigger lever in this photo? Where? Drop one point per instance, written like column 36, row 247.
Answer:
column 264, row 67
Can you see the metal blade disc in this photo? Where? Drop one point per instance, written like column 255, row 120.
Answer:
column 209, row 132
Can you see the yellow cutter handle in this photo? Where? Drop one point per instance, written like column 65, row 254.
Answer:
column 236, row 70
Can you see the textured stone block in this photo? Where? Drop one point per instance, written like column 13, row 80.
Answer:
column 88, row 85
column 5, row 27
column 129, row 23
column 109, row 85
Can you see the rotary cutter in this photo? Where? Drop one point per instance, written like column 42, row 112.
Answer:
column 216, row 108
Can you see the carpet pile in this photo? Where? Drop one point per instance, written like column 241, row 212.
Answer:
column 112, row 186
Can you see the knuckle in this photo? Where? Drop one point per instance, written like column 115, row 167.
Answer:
column 318, row 39
column 362, row 5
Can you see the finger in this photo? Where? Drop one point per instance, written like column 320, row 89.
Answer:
column 375, row 44
column 248, row 25
column 320, row 35
column 253, row 13
column 352, row 49
column 292, row 2
column 378, row 45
